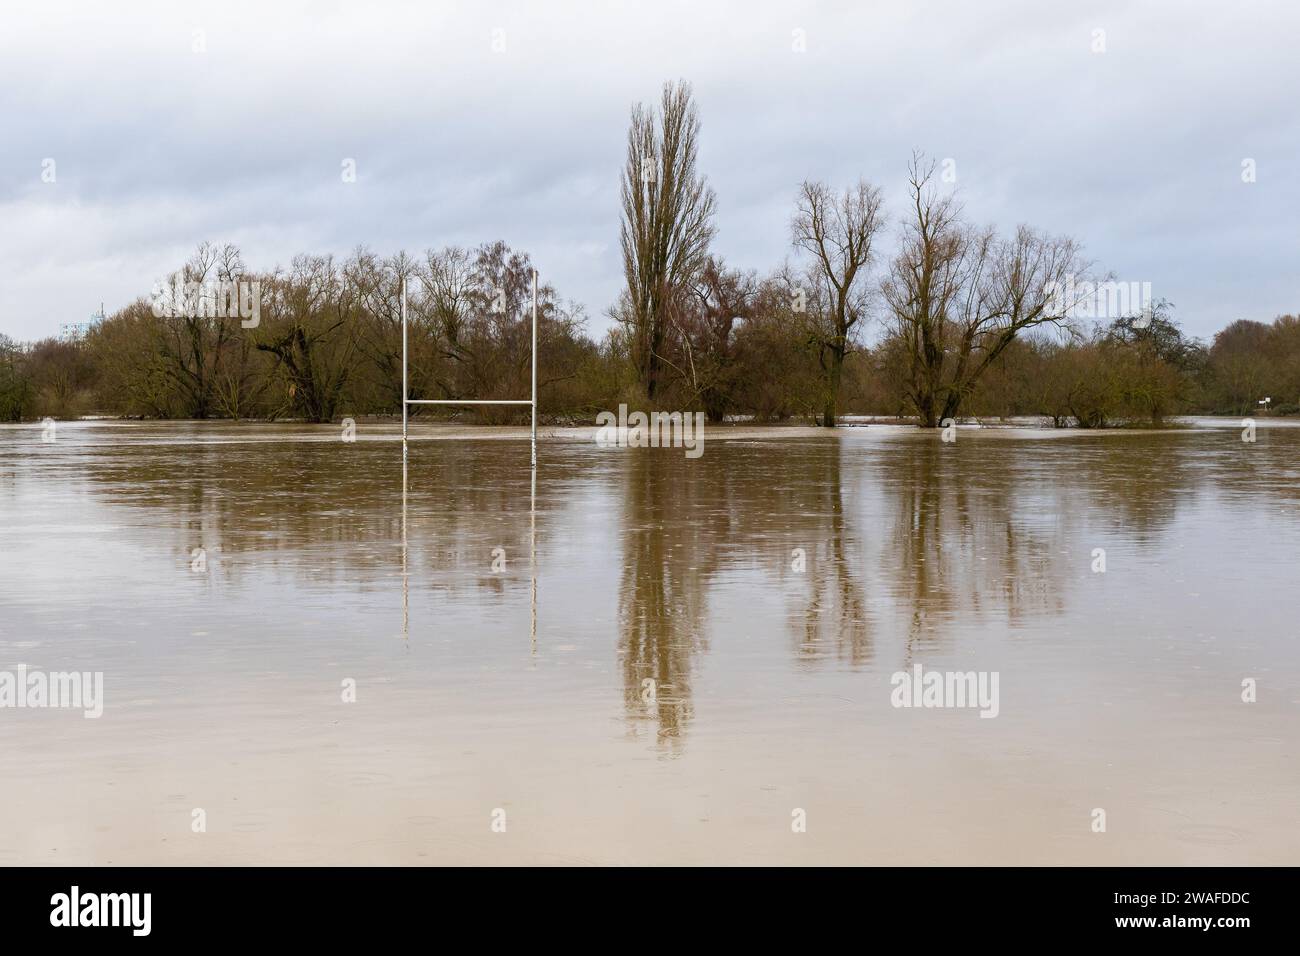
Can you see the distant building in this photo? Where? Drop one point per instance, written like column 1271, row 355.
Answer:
column 73, row 331
column 76, row 331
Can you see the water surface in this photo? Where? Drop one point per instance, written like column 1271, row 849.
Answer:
column 504, row 638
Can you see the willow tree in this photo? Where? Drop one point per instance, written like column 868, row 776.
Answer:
column 311, row 322
column 667, row 224
column 958, row 296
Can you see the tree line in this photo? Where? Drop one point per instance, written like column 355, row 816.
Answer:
column 969, row 322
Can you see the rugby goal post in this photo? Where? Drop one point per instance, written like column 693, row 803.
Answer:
column 407, row 401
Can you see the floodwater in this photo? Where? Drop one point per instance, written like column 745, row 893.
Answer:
column 649, row 658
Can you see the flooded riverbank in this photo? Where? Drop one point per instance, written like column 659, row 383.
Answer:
column 641, row 657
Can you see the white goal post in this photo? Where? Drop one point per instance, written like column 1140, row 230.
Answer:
column 407, row 401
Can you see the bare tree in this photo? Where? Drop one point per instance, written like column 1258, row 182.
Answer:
column 445, row 311
column 311, row 325
column 378, row 283
column 667, row 222
column 194, row 336
column 839, row 233
column 958, row 296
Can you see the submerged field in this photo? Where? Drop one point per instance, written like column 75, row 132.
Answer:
column 645, row 657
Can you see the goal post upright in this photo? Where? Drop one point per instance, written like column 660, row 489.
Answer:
column 405, row 391
column 534, row 402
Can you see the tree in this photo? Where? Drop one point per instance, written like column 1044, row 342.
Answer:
column 310, row 325
column 706, row 323
column 1241, row 367
column 1162, row 362
column 192, row 335
column 379, row 283
column 15, row 385
column 61, row 374
column 667, row 223
column 958, row 296
column 443, row 314
column 134, row 368
column 838, row 232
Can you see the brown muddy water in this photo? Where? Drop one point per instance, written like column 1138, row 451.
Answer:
column 651, row 659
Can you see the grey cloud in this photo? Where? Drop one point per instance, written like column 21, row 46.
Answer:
column 1136, row 151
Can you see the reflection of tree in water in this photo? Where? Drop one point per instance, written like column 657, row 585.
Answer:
column 1240, row 470
column 1138, row 478
column 829, row 612
column 669, row 550
column 931, row 498
column 329, row 512
column 996, row 526
column 988, row 530
column 740, row 508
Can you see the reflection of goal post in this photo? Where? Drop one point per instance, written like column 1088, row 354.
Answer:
column 407, row 401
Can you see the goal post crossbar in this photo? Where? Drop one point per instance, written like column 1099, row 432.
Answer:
column 468, row 401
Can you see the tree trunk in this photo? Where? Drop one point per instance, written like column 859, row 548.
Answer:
column 925, row 411
column 832, row 387
column 653, row 368
column 950, row 406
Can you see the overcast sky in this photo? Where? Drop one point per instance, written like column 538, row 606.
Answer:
column 1136, row 151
